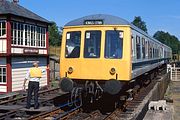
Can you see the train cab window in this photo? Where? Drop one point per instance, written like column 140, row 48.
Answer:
column 92, row 44
column 114, row 44
column 138, row 47
column 73, row 41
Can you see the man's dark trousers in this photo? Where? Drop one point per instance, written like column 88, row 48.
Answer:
column 33, row 87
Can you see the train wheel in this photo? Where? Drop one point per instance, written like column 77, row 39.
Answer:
column 146, row 82
column 108, row 103
column 86, row 102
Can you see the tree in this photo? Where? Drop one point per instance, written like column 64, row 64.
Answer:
column 55, row 35
column 168, row 39
column 139, row 23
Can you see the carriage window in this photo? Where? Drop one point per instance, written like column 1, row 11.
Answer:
column 150, row 50
column 161, row 52
column 143, row 48
column 138, row 47
column 73, row 41
column 114, row 44
column 146, row 48
column 92, row 44
column 153, row 51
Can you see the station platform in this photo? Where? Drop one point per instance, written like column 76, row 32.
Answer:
column 175, row 90
column 172, row 112
column 160, row 114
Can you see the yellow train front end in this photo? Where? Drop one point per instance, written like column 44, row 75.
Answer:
column 96, row 53
column 101, row 64
column 95, row 57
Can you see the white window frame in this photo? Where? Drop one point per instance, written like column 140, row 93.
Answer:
column 2, row 75
column 1, row 29
column 40, row 40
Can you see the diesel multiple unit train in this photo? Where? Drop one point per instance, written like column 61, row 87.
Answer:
column 104, row 54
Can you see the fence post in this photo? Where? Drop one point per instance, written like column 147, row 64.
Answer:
column 171, row 73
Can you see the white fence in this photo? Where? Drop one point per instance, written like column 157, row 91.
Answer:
column 175, row 72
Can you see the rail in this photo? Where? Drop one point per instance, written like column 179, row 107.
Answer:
column 14, row 108
column 66, row 110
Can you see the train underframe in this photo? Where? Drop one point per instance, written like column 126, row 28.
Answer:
column 108, row 94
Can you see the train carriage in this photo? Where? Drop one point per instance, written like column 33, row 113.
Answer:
column 102, row 53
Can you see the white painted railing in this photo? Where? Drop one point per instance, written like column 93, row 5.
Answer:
column 175, row 72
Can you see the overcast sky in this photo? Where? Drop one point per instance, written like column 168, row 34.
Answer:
column 158, row 14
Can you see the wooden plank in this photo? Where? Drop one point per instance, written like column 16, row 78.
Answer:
column 10, row 107
column 8, row 95
column 41, row 109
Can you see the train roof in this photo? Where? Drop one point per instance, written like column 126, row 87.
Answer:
column 107, row 20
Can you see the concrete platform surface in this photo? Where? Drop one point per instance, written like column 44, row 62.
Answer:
column 175, row 88
column 160, row 114
column 173, row 95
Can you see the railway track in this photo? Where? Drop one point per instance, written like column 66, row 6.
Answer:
column 15, row 108
column 77, row 113
column 120, row 113
column 66, row 110
column 22, row 97
column 131, row 106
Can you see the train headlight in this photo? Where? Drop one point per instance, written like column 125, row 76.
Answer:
column 112, row 71
column 70, row 70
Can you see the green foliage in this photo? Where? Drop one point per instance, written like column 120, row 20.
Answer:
column 170, row 40
column 139, row 23
column 55, row 35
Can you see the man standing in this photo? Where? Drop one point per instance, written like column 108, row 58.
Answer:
column 34, row 74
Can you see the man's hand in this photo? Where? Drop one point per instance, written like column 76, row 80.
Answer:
column 24, row 85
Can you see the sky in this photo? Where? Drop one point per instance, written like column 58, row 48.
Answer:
column 158, row 14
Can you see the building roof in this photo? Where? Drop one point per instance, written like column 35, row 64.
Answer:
column 7, row 7
column 107, row 20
